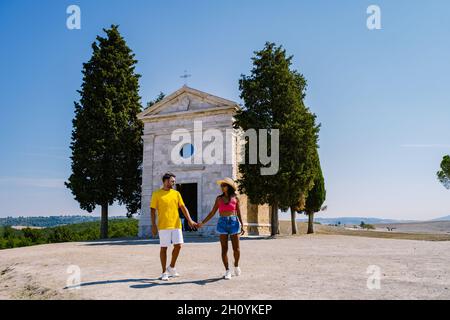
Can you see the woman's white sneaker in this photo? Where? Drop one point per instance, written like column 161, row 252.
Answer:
column 164, row 276
column 227, row 275
column 172, row 272
column 237, row 271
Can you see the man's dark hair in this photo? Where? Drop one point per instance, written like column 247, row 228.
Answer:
column 167, row 176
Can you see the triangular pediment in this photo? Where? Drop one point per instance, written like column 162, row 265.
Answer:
column 187, row 100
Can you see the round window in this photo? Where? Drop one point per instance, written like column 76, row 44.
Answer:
column 187, row 150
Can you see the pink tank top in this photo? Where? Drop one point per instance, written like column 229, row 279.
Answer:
column 227, row 207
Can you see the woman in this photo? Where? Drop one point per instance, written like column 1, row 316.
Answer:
column 230, row 223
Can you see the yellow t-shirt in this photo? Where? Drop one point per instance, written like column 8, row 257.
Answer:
column 167, row 203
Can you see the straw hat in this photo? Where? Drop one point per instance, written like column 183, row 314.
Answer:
column 228, row 181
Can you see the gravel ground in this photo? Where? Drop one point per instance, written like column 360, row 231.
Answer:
column 296, row 267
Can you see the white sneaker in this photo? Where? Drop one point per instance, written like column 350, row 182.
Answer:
column 164, row 276
column 227, row 275
column 237, row 271
column 172, row 272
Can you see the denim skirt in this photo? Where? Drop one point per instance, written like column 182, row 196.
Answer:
column 228, row 225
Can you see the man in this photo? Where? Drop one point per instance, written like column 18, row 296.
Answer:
column 167, row 201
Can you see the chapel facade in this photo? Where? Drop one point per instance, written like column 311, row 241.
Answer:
column 182, row 133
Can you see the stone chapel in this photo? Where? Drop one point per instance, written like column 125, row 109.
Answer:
column 190, row 113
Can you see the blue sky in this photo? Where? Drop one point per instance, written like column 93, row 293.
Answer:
column 382, row 96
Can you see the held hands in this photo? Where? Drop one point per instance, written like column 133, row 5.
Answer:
column 193, row 224
column 196, row 225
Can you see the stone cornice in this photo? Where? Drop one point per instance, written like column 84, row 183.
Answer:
column 220, row 103
column 186, row 167
column 189, row 114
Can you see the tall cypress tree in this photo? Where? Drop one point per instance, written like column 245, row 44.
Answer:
column 273, row 96
column 106, row 137
column 316, row 196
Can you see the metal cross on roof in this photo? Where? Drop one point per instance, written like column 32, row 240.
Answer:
column 185, row 76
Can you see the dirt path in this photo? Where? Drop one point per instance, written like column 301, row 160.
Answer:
column 303, row 267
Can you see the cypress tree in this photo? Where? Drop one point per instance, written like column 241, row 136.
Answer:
column 273, row 99
column 106, row 137
column 316, row 197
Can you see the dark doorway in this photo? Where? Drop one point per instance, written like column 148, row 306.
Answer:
column 189, row 194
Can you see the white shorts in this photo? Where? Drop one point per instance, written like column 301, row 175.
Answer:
column 170, row 236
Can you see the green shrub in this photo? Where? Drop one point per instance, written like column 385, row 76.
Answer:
column 8, row 232
column 3, row 243
column 34, row 235
column 366, row 226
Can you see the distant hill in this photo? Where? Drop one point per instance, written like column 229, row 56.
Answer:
column 46, row 222
column 445, row 218
column 369, row 220
column 432, row 227
column 353, row 220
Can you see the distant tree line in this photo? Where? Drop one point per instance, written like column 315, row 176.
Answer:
column 12, row 238
column 45, row 222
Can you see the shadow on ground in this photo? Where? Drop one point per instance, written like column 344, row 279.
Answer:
column 174, row 283
column 147, row 283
